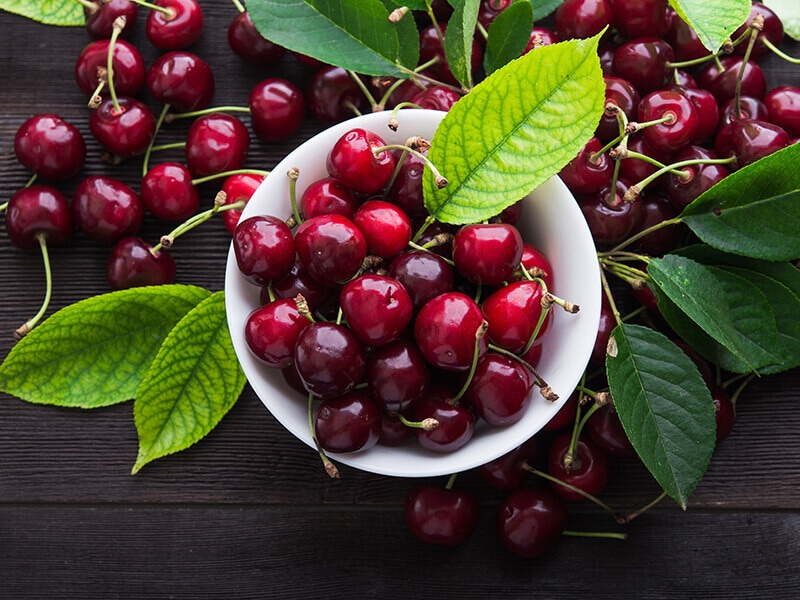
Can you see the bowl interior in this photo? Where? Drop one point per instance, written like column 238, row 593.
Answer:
column 551, row 221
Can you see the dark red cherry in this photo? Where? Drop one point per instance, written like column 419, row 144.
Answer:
column 432, row 47
column 354, row 163
column 168, row 192
column 106, row 209
column 588, row 470
column 397, row 375
column 347, row 423
column 489, row 9
column 656, row 208
column 565, row 417
column 246, row 41
column 751, row 140
column 537, row 264
column 723, row 83
column 126, row 132
column 674, row 133
column 623, row 94
column 377, row 308
column 329, row 359
column 333, row 96
column 100, row 19
column 605, row 326
column 237, row 187
column 633, row 168
column 487, row 253
column 181, row 79
column 216, row 143
column 508, row 471
column 588, row 171
column 611, row 220
column 393, row 431
column 541, row 36
column 772, row 30
column 385, row 226
column 531, row 521
column 299, row 281
column 745, row 108
column 331, row 248
column 264, row 249
column 127, row 64
column 437, row 97
column 406, row 190
column 582, row 18
column 643, row 62
column 684, row 40
column 38, row 211
column 605, row 430
column 50, row 146
column 701, row 177
column 271, row 332
column 707, row 110
column 640, row 18
column 724, row 412
column 277, row 108
column 440, row 516
column 783, row 107
column 500, row 390
column 328, row 196
column 425, row 275
column 132, row 263
column 513, row 312
column 456, row 425
column 176, row 28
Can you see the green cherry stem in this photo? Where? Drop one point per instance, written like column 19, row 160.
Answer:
column 239, row 6
column 779, row 52
column 411, row 146
column 160, row 121
column 31, row 323
column 169, row 12
column 92, row 7
column 330, row 468
column 428, row 424
column 636, row 189
column 293, row 174
column 544, row 388
column 116, row 29
column 206, row 111
column 3, row 207
column 627, row 518
column 756, row 26
column 479, row 333
column 571, row 487
column 612, row 535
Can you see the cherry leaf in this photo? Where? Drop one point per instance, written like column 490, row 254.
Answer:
column 508, row 35
column 514, row 130
column 192, row 383
column 664, row 406
column 713, row 20
column 65, row 13
column 754, row 211
column 95, row 352
column 353, row 34
column 458, row 40
column 789, row 13
column 542, row 8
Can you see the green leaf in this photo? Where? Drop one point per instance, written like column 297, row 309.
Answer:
column 508, row 35
column 664, row 406
column 458, row 40
column 192, row 383
column 352, row 34
column 713, row 20
column 754, row 211
column 515, row 130
column 66, row 13
column 542, row 8
column 730, row 309
column 96, row 352
column 789, row 13
column 407, row 32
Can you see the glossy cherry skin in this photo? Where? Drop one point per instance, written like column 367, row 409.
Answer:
column 168, row 192
column 385, row 226
column 277, row 108
column 347, row 423
column 127, row 63
column 582, row 18
column 393, row 431
column 541, row 36
column 500, row 390
column 456, row 425
column 377, row 308
column 604, row 328
column 531, row 521
column 673, row 135
column 772, row 30
column 655, row 209
column 328, row 196
column 589, row 471
column 513, row 312
column 707, row 110
column 100, row 21
column 440, row 516
column 783, row 108
column 640, row 18
column 750, row 140
column 489, row 9
column 605, row 430
column 106, row 209
column 333, row 96
column 445, row 331
column 406, row 190
column 487, row 253
column 329, row 359
column 508, row 471
column 299, row 281
column 181, row 79
column 623, row 94
column 50, row 146
column 565, row 417
column 643, row 62
column 537, row 264
column 723, row 83
column 264, row 249
column 271, row 332
column 586, row 172
column 179, row 28
column 38, row 211
column 331, row 248
column 431, row 47
column 436, row 97
column 133, row 264
column 745, row 108
column 246, row 42
column 682, row 191
column 126, row 133
column 684, row 40
column 636, row 169
column 353, row 162
column 216, row 143
column 238, row 187
column 610, row 219
column 397, row 375
column 424, row 275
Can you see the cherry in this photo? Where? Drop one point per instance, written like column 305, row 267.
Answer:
column 605, row 430
column 783, row 108
column 621, row 93
column 681, row 192
column 655, row 209
column 611, row 220
column 354, row 162
column 508, row 471
column 675, row 133
column 329, row 359
column 436, row 97
column 605, row 326
column 643, row 62
column 513, row 312
column 125, row 131
column 431, row 47
column 277, row 107
column 397, row 375
column 500, row 390
column 347, row 423
column 685, row 41
column 385, row 226
column 38, row 211
column 487, row 253
column 530, row 521
column 264, row 249
column 565, row 417
column 640, row 18
column 50, row 146
column 106, row 209
column 271, row 332
column 724, row 412
column 582, row 18
column 328, row 196
column 772, row 30
column 440, row 516
column 299, row 281
column 215, row 143
column 331, row 248
column 406, row 190
column 588, row 171
column 401, row 92
column 128, row 67
column 723, row 83
column 456, row 425
column 133, row 264
column 177, row 27
column 587, row 471
column 745, row 108
column 246, row 42
column 634, row 168
column 750, row 140
column 100, row 19
column 536, row 263
column 436, row 237
column 706, row 108
column 333, row 96
column 423, row 274
column 168, row 192
column 541, row 36
column 445, row 331
column 377, row 309
column 181, row 79
column 489, row 9
column 393, row 431
column 238, row 187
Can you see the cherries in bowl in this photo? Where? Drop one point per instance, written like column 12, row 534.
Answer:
column 551, row 220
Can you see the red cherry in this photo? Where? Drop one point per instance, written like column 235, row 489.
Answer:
column 350, row 422
column 264, row 249
column 500, row 390
column 106, row 209
column 643, row 62
column 133, row 264
column 176, row 28
column 586, row 173
column 100, row 20
column 237, row 187
column 385, row 226
column 333, row 96
column 675, row 133
column 397, row 375
column 329, row 359
column 377, row 309
column 487, row 253
column 271, row 332
column 582, row 18
column 38, row 211
column 353, row 162
column 440, row 516
column 246, row 41
column 277, row 108
column 530, row 521
column 216, row 143
column 331, row 248
column 126, row 132
column 783, row 107
column 181, row 79
column 328, row 196
column 50, row 146
column 127, row 64
column 723, row 83
column 168, row 192
column 588, row 470
column 513, row 312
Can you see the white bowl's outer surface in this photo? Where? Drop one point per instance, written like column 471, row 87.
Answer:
column 551, row 220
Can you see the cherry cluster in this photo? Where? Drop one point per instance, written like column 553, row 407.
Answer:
column 395, row 333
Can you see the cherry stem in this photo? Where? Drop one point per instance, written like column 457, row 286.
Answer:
column 429, row 220
column 427, row 248
column 146, row 160
column 395, row 172
column 756, row 25
column 625, row 272
column 192, row 222
column 644, row 232
column 594, row 158
column 571, row 487
column 627, row 518
column 330, row 468
column 635, row 126
column 779, row 52
column 745, row 381
column 239, row 6
column 221, row 174
column 92, row 7
column 413, row 74
column 293, row 174
column 726, row 48
column 542, row 315
column 440, row 180
column 596, row 534
column 119, row 25
column 48, row 275
column 206, row 111
column 32, row 180
column 3, row 206
column 479, row 333
column 636, row 189
column 610, row 297
column 169, row 12
column 360, row 84
column 451, row 481
column 428, row 424
column 544, row 388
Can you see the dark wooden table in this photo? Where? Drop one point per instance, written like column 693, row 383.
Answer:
column 249, row 513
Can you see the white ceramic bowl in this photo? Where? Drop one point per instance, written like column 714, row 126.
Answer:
column 552, row 221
